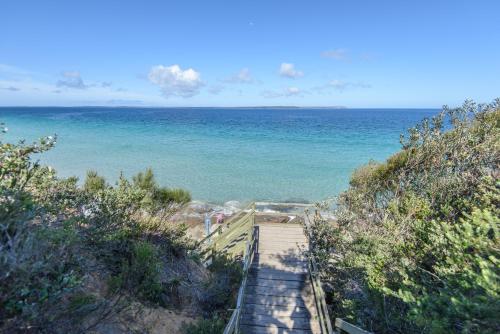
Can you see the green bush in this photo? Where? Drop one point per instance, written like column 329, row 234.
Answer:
column 94, row 183
column 55, row 235
column 221, row 289
column 415, row 246
column 206, row 326
column 140, row 275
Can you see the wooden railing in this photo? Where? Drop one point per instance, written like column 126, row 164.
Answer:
column 234, row 238
column 341, row 326
column 230, row 238
column 234, row 322
column 319, row 295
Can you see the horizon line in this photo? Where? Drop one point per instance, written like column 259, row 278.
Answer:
column 216, row 107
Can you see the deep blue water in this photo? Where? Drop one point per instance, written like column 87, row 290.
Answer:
column 219, row 154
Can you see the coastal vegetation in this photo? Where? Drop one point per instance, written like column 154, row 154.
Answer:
column 96, row 257
column 415, row 246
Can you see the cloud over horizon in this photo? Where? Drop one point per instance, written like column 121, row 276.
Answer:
column 174, row 81
column 288, row 70
column 71, row 79
column 341, row 85
column 338, row 54
column 287, row 92
column 243, row 76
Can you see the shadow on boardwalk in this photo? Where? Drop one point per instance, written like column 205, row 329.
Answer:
column 278, row 297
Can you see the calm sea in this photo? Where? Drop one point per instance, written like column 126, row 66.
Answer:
column 219, row 154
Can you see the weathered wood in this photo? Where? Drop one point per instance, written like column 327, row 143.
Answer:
column 278, row 311
column 286, row 242
column 280, row 300
column 279, row 296
column 280, row 322
column 275, row 283
column 261, row 257
column 349, row 328
column 281, row 268
column 276, row 275
column 249, row 329
column 280, row 291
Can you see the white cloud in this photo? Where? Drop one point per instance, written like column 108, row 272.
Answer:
column 11, row 88
column 341, row 85
column 72, row 79
column 174, row 81
column 215, row 89
column 291, row 91
column 287, row 92
column 243, row 76
column 338, row 54
column 288, row 70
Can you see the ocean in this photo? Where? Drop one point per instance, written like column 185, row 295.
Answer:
column 218, row 154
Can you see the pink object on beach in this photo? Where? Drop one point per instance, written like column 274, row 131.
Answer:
column 220, row 218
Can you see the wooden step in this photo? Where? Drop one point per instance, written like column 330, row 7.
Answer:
column 276, row 275
column 249, row 329
column 281, row 267
column 280, row 322
column 281, row 225
column 254, row 281
column 280, row 234
column 260, row 257
column 283, row 290
column 272, row 301
column 286, row 266
column 283, row 244
column 277, row 310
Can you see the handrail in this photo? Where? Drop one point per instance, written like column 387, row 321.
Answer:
column 228, row 238
column 319, row 295
column 341, row 326
column 233, row 324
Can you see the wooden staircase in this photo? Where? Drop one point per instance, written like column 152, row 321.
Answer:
column 280, row 292
column 279, row 296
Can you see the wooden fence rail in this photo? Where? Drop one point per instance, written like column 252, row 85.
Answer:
column 341, row 326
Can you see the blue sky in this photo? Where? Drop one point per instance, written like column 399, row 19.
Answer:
column 247, row 53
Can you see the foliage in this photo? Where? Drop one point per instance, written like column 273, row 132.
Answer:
column 155, row 196
column 222, row 287
column 415, row 247
column 206, row 326
column 53, row 234
column 94, row 183
column 141, row 273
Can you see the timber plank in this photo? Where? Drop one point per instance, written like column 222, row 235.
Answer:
column 278, row 296
column 277, row 275
column 278, row 311
column 249, row 329
column 281, row 268
column 280, row 322
column 280, row 291
column 261, row 257
column 280, row 300
column 254, row 281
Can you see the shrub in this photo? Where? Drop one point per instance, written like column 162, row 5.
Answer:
column 54, row 233
column 415, row 245
column 206, row 326
column 94, row 183
column 222, row 287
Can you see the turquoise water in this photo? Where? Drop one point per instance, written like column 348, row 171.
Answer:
column 219, row 154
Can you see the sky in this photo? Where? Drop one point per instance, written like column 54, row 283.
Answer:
column 351, row 53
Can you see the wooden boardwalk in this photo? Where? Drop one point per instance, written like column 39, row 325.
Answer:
column 278, row 296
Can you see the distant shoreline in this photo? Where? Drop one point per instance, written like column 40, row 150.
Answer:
column 226, row 108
